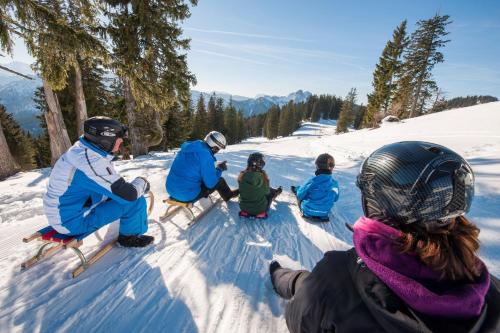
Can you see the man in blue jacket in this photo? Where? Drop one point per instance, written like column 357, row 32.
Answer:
column 85, row 192
column 319, row 193
column 195, row 172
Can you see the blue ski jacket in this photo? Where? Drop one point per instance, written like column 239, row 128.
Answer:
column 193, row 166
column 318, row 194
column 81, row 179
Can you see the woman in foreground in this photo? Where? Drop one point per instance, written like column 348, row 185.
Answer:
column 414, row 265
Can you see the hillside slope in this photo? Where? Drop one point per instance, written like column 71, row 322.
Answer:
column 213, row 277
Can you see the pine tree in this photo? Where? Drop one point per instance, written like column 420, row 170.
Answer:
column 272, row 122
column 389, row 67
column 242, row 133
column 346, row 116
column 219, row 115
column 8, row 165
column 316, row 112
column 147, row 44
column 42, row 143
column 284, row 119
column 403, row 96
column 200, row 120
column 175, row 129
column 423, row 54
column 211, row 114
column 59, row 34
column 20, row 144
column 231, row 123
column 358, row 119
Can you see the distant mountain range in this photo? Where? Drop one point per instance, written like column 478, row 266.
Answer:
column 256, row 105
column 16, row 93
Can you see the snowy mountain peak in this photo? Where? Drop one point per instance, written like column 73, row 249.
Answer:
column 253, row 106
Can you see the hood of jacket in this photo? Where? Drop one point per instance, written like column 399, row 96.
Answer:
column 416, row 284
column 196, row 147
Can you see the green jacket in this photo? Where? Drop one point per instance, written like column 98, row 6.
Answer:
column 254, row 187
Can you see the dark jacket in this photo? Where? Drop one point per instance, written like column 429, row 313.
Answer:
column 254, row 189
column 342, row 295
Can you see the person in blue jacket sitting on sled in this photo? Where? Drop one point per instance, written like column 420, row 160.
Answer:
column 85, row 192
column 317, row 196
column 196, row 173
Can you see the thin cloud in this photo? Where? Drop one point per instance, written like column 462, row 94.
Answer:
column 245, row 49
column 228, row 56
column 244, row 34
column 284, row 54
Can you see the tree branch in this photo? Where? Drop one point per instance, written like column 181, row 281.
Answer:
column 14, row 72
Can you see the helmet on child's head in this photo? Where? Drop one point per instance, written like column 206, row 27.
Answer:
column 216, row 141
column 325, row 162
column 256, row 160
column 103, row 132
column 415, row 182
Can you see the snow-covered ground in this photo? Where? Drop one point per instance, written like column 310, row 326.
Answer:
column 213, row 276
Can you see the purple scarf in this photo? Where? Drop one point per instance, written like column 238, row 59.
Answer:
column 410, row 279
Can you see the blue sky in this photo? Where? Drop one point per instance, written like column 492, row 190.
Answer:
column 276, row 46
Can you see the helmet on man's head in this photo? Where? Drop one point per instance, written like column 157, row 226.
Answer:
column 325, row 162
column 216, row 141
column 103, row 132
column 256, row 161
column 415, row 182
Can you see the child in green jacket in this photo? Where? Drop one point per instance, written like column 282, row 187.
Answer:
column 255, row 193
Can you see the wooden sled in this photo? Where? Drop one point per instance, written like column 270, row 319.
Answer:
column 53, row 242
column 175, row 206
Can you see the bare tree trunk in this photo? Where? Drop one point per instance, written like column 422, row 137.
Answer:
column 59, row 139
column 80, row 105
column 8, row 165
column 139, row 146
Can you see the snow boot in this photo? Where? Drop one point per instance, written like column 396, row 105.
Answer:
column 273, row 267
column 135, row 240
column 225, row 191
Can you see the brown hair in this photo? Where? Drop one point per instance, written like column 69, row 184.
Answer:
column 450, row 249
column 242, row 174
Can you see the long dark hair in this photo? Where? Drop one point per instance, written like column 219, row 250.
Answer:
column 450, row 249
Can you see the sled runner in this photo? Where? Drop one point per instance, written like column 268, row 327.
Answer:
column 261, row 216
column 175, row 206
column 53, row 242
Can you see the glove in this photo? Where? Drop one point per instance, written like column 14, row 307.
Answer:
column 294, row 189
column 141, row 185
column 221, row 165
column 279, row 190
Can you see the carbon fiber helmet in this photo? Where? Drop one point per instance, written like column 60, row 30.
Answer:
column 325, row 162
column 103, row 132
column 256, row 161
column 215, row 140
column 415, row 182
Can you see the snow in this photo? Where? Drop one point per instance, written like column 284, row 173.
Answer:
column 213, row 276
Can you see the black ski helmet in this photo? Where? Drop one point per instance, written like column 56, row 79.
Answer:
column 325, row 162
column 256, row 160
column 415, row 182
column 103, row 132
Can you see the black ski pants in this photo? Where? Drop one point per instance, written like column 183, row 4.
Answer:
column 224, row 190
column 287, row 281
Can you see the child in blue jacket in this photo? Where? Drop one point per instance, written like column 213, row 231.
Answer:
column 318, row 194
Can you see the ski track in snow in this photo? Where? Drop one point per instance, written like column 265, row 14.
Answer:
column 213, row 277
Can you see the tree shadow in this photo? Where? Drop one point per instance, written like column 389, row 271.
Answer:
column 120, row 293
column 237, row 251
